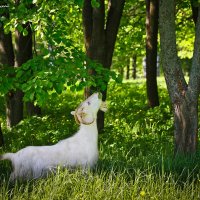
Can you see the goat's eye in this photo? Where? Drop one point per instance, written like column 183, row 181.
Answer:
column 88, row 103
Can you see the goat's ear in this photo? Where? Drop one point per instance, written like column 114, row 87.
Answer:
column 73, row 112
column 103, row 106
column 76, row 119
column 75, row 116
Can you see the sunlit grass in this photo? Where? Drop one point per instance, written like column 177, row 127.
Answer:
column 104, row 185
column 136, row 151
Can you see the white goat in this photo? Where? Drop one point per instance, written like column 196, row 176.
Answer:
column 79, row 150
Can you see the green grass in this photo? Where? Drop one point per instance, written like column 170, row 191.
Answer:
column 136, row 151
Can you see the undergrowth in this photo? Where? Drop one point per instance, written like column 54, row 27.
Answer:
column 136, row 151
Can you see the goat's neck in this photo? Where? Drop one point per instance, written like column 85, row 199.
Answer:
column 89, row 130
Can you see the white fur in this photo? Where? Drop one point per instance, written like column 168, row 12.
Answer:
column 79, row 150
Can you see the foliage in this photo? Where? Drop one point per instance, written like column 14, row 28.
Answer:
column 185, row 29
column 132, row 34
column 136, row 151
column 59, row 60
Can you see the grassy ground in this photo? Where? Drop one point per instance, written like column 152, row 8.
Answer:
column 136, row 151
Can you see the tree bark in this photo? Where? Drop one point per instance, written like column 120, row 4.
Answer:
column 14, row 108
column 6, row 46
column 184, row 98
column 152, row 7
column 7, row 59
column 6, row 49
column 24, row 52
column 14, row 100
column 100, row 36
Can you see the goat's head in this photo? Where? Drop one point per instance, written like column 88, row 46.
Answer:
column 86, row 113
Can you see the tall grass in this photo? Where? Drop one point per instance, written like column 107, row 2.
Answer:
column 136, row 151
column 103, row 185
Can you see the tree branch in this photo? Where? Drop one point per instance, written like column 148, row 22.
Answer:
column 171, row 65
column 99, row 20
column 115, row 10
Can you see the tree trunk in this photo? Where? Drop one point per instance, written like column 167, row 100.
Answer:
column 152, row 7
column 186, row 126
column 100, row 36
column 194, row 12
column 7, row 59
column 6, row 46
column 14, row 100
column 24, row 53
column 6, row 49
column 134, row 60
column 14, row 108
column 128, row 70
column 184, row 98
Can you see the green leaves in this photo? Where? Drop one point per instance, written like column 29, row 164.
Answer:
column 195, row 3
column 185, row 29
column 95, row 3
column 45, row 75
column 6, row 80
column 25, row 32
column 79, row 2
column 59, row 61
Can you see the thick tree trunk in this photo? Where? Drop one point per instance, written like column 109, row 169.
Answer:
column 6, row 46
column 6, row 49
column 184, row 98
column 14, row 100
column 186, row 126
column 100, row 36
column 7, row 59
column 14, row 108
column 152, row 7
column 23, row 46
column 24, row 53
